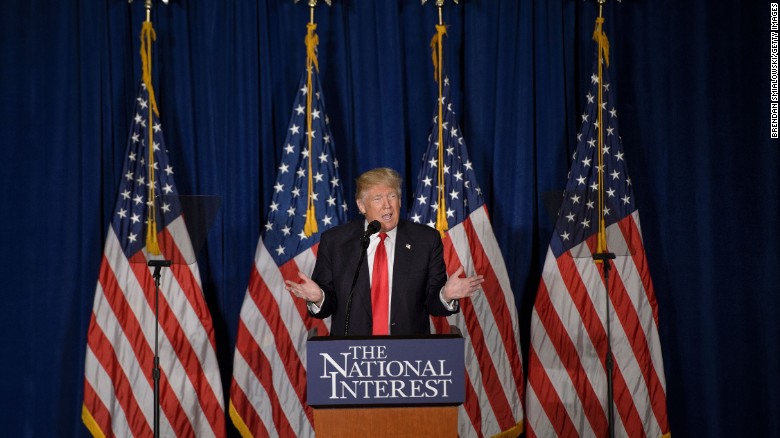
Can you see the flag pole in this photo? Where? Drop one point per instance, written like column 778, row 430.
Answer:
column 438, row 68
column 603, row 255
column 148, row 36
column 311, row 40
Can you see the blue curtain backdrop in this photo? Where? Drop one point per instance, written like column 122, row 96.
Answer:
column 693, row 82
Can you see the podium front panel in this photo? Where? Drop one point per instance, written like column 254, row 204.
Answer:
column 385, row 371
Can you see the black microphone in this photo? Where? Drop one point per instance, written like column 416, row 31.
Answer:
column 372, row 228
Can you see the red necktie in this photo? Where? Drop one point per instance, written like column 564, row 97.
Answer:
column 380, row 292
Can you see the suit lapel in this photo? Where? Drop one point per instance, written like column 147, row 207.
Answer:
column 363, row 285
column 402, row 264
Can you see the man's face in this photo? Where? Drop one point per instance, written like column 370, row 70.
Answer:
column 381, row 203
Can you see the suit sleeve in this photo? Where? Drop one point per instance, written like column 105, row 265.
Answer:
column 323, row 276
column 437, row 278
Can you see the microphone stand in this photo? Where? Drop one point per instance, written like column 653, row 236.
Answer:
column 364, row 241
column 157, row 265
column 605, row 257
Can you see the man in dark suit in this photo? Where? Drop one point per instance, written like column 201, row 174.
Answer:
column 401, row 279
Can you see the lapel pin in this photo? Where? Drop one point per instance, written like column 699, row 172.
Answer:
column 408, row 246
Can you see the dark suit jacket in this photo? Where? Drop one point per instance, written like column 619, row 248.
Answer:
column 418, row 275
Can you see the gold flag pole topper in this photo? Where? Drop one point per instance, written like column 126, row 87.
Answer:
column 312, row 40
column 438, row 67
column 148, row 36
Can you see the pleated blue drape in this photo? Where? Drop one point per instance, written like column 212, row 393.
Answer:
column 693, row 101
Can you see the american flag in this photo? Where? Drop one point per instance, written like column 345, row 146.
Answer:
column 488, row 321
column 567, row 380
column 268, row 391
column 118, row 384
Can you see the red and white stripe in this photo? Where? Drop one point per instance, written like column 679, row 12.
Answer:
column 567, row 382
column 118, row 386
column 268, row 391
column 489, row 324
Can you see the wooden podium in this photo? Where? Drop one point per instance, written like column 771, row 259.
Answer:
column 387, row 422
column 385, row 385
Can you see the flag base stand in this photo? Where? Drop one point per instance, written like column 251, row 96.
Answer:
column 157, row 265
column 604, row 258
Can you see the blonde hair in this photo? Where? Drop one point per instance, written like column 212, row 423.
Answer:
column 379, row 176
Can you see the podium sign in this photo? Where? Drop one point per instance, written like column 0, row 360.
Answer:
column 385, row 371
